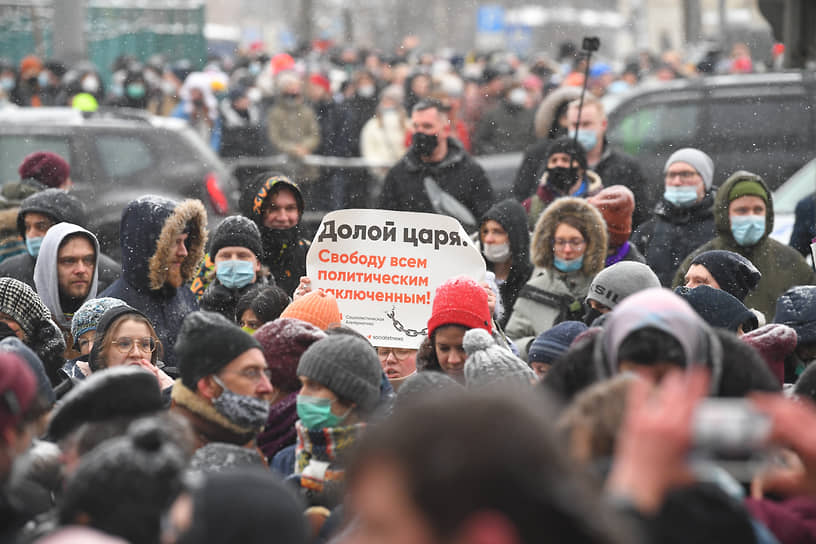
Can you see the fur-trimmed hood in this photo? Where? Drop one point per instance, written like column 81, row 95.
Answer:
column 541, row 250
column 148, row 229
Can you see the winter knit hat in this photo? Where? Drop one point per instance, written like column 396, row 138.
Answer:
column 734, row 273
column 613, row 284
column 236, row 230
column 421, row 384
column 347, row 366
column 488, row 364
column 551, row 344
column 774, row 342
column 616, row 204
column 45, row 167
column 796, row 308
column 318, row 308
column 22, row 304
column 460, row 301
column 806, row 384
column 13, row 345
column 207, row 343
column 698, row 160
column 570, row 147
column 18, row 387
column 718, row 308
column 87, row 317
column 283, row 342
column 747, row 187
column 123, row 391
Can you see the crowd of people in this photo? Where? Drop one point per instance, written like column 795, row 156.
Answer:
column 559, row 398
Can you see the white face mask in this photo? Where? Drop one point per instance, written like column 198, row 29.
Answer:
column 496, row 253
column 90, row 85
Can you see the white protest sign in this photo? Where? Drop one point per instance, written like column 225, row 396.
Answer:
column 384, row 266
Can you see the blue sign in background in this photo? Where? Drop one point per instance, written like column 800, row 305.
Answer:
column 490, row 19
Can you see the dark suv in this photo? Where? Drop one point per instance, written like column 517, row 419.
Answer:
column 763, row 123
column 116, row 156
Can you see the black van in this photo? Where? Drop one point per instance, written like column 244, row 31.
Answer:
column 763, row 123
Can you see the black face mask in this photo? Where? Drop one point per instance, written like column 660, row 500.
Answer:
column 591, row 315
column 424, row 144
column 561, row 179
column 198, row 102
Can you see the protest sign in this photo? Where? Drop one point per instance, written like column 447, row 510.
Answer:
column 383, row 267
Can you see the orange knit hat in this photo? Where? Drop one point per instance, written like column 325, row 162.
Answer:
column 616, row 204
column 318, row 308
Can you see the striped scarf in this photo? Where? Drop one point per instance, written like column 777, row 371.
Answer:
column 320, row 454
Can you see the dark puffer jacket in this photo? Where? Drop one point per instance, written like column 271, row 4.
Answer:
column 673, row 233
column 149, row 227
column 62, row 207
column 513, row 219
column 781, row 266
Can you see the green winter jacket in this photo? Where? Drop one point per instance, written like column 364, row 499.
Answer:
column 781, row 266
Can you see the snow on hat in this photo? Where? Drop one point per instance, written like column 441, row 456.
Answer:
column 18, row 387
column 239, row 231
column 283, row 342
column 222, row 456
column 22, row 304
column 488, row 364
column 614, row 283
column 460, row 301
column 697, row 159
column 346, row 365
column 421, row 384
column 616, row 203
column 208, row 342
column 552, row 343
column 774, row 342
column 734, row 273
column 796, row 308
column 718, row 308
column 45, row 167
column 87, row 317
column 318, row 308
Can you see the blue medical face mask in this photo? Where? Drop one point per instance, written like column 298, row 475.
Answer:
column 315, row 413
column 7, row 83
column 587, row 138
column 235, row 274
column 681, row 196
column 747, row 229
column 569, row 266
column 33, row 245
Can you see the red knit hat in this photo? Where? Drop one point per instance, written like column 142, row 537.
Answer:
column 774, row 342
column 318, row 308
column 616, row 204
column 48, row 168
column 18, row 386
column 321, row 81
column 460, row 301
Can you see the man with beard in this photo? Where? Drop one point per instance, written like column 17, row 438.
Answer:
column 275, row 203
column 436, row 174
column 162, row 245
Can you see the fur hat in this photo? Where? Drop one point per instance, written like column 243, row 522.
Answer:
column 796, row 308
column 734, row 273
column 318, row 308
column 347, row 366
column 87, row 317
column 283, row 342
column 616, row 282
column 718, row 308
column 551, row 344
column 48, row 168
column 124, row 391
column 616, row 204
column 774, row 342
column 460, row 301
column 207, row 343
column 698, row 160
column 18, row 387
column 236, row 230
column 585, row 214
column 488, row 364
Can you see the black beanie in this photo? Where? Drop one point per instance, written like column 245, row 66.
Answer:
column 718, row 308
column 567, row 145
column 734, row 273
column 237, row 230
column 207, row 343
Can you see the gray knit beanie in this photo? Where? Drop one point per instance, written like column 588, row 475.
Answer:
column 347, row 366
column 488, row 364
column 613, row 284
column 698, row 160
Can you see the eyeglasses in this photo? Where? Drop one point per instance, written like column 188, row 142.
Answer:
column 577, row 243
column 684, row 175
column 399, row 354
column 125, row 344
column 253, row 374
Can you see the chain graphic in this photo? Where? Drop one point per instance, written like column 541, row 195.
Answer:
column 401, row 328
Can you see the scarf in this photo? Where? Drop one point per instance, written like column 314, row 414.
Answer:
column 280, row 427
column 618, row 255
column 320, row 454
